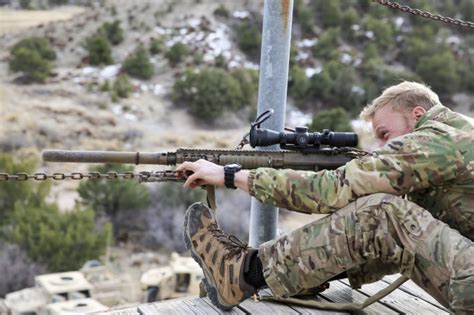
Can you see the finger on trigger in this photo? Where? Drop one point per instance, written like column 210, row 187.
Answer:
column 191, row 179
column 183, row 166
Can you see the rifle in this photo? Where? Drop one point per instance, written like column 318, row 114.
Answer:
column 302, row 150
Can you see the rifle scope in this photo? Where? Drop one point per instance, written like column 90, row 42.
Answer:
column 300, row 138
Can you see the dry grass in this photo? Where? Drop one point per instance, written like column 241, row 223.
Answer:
column 16, row 20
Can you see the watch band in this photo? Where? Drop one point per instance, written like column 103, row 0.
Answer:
column 229, row 175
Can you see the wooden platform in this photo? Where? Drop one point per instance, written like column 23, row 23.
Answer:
column 408, row 299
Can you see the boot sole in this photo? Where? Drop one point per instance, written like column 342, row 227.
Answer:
column 191, row 222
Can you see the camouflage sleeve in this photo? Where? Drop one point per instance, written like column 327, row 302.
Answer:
column 412, row 162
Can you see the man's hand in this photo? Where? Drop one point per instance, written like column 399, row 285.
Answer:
column 208, row 173
column 204, row 173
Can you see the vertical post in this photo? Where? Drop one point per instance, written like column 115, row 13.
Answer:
column 273, row 82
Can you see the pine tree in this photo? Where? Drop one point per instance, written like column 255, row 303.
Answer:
column 138, row 64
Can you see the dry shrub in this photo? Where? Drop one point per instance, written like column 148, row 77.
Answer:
column 16, row 268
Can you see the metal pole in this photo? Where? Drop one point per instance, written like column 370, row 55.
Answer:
column 273, row 82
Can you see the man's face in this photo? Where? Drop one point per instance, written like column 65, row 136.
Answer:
column 388, row 123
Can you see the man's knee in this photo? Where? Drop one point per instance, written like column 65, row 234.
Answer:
column 398, row 211
column 377, row 200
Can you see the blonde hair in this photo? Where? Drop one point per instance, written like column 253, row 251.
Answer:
column 403, row 96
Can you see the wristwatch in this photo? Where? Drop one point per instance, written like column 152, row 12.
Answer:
column 229, row 174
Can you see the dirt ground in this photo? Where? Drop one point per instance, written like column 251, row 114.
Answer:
column 17, row 20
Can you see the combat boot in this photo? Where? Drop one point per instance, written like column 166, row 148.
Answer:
column 221, row 257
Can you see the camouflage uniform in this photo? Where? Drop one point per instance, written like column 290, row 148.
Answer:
column 374, row 231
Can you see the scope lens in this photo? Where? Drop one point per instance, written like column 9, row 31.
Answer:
column 342, row 139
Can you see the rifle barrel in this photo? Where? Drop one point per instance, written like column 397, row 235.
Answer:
column 104, row 157
column 249, row 159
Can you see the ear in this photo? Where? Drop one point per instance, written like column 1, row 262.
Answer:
column 418, row 111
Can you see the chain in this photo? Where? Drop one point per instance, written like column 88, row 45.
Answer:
column 155, row 176
column 243, row 142
column 425, row 14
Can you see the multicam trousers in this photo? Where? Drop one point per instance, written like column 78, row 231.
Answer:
column 374, row 236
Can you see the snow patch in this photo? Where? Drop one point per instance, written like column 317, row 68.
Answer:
column 312, row 71
column 399, row 22
column 241, row 14
column 89, row 70
column 109, row 72
column 296, row 118
column 306, row 43
column 346, row 58
column 159, row 89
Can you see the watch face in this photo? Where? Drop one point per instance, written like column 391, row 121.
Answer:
column 233, row 166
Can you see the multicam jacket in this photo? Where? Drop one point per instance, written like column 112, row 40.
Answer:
column 433, row 166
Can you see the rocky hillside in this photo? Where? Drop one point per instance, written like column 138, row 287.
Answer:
column 343, row 54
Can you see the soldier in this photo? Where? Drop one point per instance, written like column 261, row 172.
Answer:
column 372, row 231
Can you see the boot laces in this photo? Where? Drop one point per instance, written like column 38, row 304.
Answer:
column 231, row 243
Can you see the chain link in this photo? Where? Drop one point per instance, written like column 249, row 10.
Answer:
column 155, row 176
column 425, row 14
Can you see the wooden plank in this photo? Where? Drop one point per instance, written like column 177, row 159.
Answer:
column 313, row 311
column 408, row 299
column 400, row 300
column 186, row 305
column 172, row 307
column 266, row 307
column 410, row 287
column 206, row 302
column 339, row 292
column 302, row 309
column 120, row 311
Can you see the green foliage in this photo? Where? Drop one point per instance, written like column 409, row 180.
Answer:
column 113, row 10
column 138, row 64
column 198, row 58
column 99, row 50
column 293, row 54
column 248, row 79
column 371, row 52
column 24, row 193
column 25, row 4
column 334, row 86
column 466, row 8
column 249, row 38
column 105, row 87
column 321, row 85
column 416, row 48
column 111, row 197
column 32, row 57
column 328, row 44
column 440, row 72
column 157, row 45
column 61, row 241
column 336, row 119
column 221, row 11
column 174, row 196
column 220, row 61
column 113, row 32
column 57, row 2
column 383, row 31
column 177, row 53
column 330, row 12
column 378, row 76
column 304, row 16
column 31, row 65
column 122, row 86
column 349, row 18
column 208, row 93
column 298, row 84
